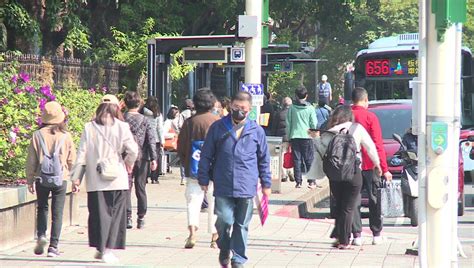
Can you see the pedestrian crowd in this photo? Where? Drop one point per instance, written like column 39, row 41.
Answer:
column 224, row 163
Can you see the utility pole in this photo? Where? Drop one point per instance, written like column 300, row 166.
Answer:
column 253, row 48
column 442, row 129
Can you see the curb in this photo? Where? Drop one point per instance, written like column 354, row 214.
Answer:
column 303, row 206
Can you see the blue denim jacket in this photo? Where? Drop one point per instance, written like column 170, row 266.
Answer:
column 235, row 165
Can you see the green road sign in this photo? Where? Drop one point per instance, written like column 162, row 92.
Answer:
column 439, row 136
column 253, row 113
column 265, row 18
column 448, row 12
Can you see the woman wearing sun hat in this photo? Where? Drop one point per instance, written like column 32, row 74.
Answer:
column 51, row 138
column 104, row 138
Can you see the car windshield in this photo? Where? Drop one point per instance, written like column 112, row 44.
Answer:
column 393, row 121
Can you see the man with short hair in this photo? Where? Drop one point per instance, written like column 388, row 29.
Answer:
column 235, row 156
column 147, row 155
column 300, row 118
column 325, row 90
column 371, row 181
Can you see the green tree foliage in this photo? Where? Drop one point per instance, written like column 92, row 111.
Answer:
column 98, row 30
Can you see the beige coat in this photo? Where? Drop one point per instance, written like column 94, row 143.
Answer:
column 361, row 137
column 67, row 153
column 93, row 148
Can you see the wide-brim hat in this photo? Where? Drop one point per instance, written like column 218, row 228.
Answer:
column 52, row 113
column 109, row 98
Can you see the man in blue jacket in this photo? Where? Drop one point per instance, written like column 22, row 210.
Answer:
column 235, row 156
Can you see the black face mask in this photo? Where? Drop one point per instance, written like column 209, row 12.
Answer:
column 238, row 115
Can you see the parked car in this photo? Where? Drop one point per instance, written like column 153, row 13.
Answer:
column 395, row 117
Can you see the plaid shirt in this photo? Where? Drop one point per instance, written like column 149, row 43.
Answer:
column 144, row 136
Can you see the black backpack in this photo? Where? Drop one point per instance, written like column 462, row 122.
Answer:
column 340, row 159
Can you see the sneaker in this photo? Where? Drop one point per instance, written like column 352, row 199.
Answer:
column 377, row 240
column 140, row 223
column 182, row 182
column 312, row 185
column 344, row 247
column 40, row 244
column 357, row 241
column 335, row 243
column 284, row 179
column 110, row 258
column 190, row 242
column 298, row 185
column 53, row 252
column 98, row 255
column 129, row 223
column 224, row 258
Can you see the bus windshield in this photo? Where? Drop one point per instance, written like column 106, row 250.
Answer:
column 386, row 75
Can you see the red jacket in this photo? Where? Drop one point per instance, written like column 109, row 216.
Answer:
column 371, row 123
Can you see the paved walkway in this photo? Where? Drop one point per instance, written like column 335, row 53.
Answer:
column 283, row 241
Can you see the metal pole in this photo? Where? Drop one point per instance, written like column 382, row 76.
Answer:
column 443, row 150
column 457, row 132
column 420, row 130
column 253, row 47
column 316, row 74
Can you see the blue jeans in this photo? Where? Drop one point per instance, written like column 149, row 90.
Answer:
column 234, row 213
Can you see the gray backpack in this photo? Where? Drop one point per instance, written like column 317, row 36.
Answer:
column 51, row 173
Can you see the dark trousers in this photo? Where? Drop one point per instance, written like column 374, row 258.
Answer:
column 107, row 223
column 371, row 182
column 303, row 155
column 345, row 195
column 233, row 214
column 138, row 177
column 155, row 174
column 58, row 197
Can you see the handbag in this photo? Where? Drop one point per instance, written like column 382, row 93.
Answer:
column 172, row 143
column 390, row 199
column 288, row 161
column 110, row 168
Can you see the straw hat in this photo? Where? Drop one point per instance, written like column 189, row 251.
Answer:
column 52, row 113
column 109, row 98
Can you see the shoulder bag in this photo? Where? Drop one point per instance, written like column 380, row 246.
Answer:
column 109, row 168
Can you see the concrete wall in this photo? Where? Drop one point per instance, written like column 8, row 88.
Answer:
column 18, row 215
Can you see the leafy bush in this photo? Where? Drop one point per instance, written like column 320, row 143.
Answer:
column 21, row 102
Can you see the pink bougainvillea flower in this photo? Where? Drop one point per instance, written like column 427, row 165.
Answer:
column 45, row 90
column 28, row 127
column 104, row 89
column 38, row 121
column 17, row 90
column 52, row 97
column 15, row 79
column 4, row 101
column 42, row 103
column 12, row 137
column 30, row 89
column 24, row 77
column 16, row 129
column 92, row 90
column 11, row 154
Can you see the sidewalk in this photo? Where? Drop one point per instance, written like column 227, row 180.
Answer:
column 284, row 241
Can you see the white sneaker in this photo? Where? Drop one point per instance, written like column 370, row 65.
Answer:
column 40, row 244
column 110, row 258
column 98, row 255
column 357, row 241
column 377, row 240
